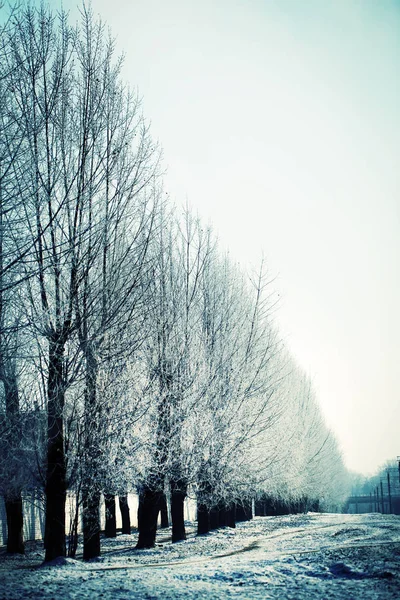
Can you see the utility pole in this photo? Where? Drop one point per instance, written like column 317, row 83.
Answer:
column 379, row 500
column 383, row 505
column 390, row 496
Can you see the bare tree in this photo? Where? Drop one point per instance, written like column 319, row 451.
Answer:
column 12, row 239
column 113, row 288
column 114, row 265
column 239, row 344
column 86, row 187
column 177, row 363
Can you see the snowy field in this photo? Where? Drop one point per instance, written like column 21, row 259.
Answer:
column 293, row 557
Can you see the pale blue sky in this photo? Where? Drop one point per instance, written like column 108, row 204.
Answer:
column 280, row 122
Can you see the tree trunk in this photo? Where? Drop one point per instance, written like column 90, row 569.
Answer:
column 259, row 508
column 55, row 488
column 203, row 499
column 244, row 511
column 240, row 514
column 214, row 518
column 90, row 489
column 269, row 507
column 149, row 507
column 231, row 516
column 178, row 495
column 281, row 508
column 15, row 524
column 126, row 519
column 248, row 509
column 111, row 520
column 164, row 512
column 91, row 524
column 13, row 499
column 222, row 515
column 203, row 519
column 264, row 506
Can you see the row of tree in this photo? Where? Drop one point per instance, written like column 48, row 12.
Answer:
column 133, row 353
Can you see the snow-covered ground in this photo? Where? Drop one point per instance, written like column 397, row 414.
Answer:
column 295, row 557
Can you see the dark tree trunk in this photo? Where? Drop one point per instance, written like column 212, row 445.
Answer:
column 248, row 509
column 276, row 507
column 214, row 518
column 244, row 511
column 259, row 508
column 231, row 516
column 240, row 514
column 264, row 506
column 90, row 490
column 269, row 507
column 111, row 520
column 91, row 524
column 178, row 495
column 281, row 508
column 203, row 499
column 15, row 525
column 222, row 515
column 13, row 498
column 149, row 507
column 126, row 519
column 164, row 512
column 152, row 499
column 203, row 519
column 55, row 489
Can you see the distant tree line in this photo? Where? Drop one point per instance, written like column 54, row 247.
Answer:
column 134, row 354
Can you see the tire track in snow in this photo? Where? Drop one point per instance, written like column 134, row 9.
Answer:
column 255, row 544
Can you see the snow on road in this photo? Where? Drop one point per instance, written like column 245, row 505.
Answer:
column 297, row 557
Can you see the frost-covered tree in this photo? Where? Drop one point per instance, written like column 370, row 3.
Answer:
column 87, row 163
column 181, row 252
column 40, row 74
column 14, row 246
column 240, row 344
column 119, row 203
column 308, row 471
column 154, row 358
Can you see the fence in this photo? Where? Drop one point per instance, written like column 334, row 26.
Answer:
column 383, row 497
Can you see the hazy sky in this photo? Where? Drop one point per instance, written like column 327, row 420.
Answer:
column 280, row 122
